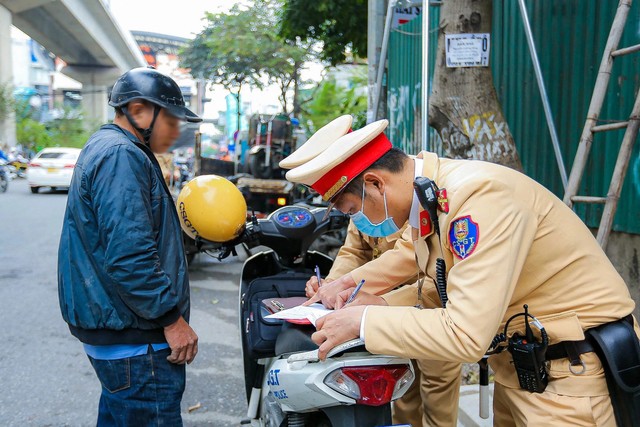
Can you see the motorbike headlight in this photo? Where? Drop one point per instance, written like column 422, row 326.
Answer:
column 370, row 385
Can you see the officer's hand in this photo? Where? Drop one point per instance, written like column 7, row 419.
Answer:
column 183, row 342
column 363, row 298
column 328, row 292
column 336, row 328
column 312, row 286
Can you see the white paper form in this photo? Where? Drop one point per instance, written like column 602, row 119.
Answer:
column 312, row 313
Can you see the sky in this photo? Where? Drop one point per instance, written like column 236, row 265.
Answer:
column 182, row 18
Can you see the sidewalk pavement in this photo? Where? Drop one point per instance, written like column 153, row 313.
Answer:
column 468, row 409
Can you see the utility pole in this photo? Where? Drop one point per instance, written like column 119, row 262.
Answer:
column 376, row 15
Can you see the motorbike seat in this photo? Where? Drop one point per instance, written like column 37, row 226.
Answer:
column 294, row 338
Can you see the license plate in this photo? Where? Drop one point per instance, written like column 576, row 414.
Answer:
column 52, row 170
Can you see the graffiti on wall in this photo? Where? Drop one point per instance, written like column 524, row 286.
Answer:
column 479, row 136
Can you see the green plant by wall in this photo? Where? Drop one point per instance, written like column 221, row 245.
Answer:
column 32, row 134
column 70, row 130
column 6, row 100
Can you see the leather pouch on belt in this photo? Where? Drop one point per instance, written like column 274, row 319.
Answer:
column 618, row 347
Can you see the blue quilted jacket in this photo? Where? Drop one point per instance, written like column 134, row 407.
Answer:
column 122, row 272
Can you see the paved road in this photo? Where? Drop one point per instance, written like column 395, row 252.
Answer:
column 45, row 376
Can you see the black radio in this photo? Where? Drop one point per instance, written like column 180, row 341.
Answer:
column 530, row 364
column 529, row 355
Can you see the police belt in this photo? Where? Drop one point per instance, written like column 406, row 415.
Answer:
column 573, row 349
column 618, row 348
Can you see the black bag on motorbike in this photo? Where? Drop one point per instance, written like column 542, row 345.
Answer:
column 261, row 333
column 618, row 347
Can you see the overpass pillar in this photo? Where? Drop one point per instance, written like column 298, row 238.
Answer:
column 96, row 83
column 8, row 123
column 94, row 104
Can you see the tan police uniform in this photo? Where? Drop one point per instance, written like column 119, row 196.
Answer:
column 435, row 392
column 507, row 241
column 442, row 383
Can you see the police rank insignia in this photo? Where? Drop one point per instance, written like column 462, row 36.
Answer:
column 443, row 200
column 463, row 236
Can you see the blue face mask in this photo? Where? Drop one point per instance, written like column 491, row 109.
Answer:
column 364, row 224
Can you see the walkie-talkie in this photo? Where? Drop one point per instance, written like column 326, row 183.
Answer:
column 427, row 193
column 529, row 356
column 426, row 190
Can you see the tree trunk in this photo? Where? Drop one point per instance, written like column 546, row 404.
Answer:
column 283, row 97
column 464, row 107
column 297, row 108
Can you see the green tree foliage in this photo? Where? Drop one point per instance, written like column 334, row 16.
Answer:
column 6, row 100
column 29, row 132
column 332, row 99
column 68, row 130
column 338, row 24
column 242, row 47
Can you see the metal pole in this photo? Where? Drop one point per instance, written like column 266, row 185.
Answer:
column 375, row 30
column 383, row 58
column 425, row 74
column 543, row 93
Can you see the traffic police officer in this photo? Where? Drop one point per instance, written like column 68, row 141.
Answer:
column 364, row 257
column 506, row 241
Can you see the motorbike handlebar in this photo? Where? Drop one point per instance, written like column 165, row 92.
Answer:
column 289, row 231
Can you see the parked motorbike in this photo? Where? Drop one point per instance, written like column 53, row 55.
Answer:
column 19, row 166
column 5, row 176
column 286, row 384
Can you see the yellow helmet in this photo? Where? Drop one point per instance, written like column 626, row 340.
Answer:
column 213, row 208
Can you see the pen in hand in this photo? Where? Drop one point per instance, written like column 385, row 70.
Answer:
column 318, row 275
column 355, row 292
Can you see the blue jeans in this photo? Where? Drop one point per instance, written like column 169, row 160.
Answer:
column 143, row 390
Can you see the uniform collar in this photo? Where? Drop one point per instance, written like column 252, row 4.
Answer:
column 414, row 214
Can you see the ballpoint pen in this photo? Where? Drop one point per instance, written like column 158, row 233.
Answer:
column 355, row 292
column 318, row 275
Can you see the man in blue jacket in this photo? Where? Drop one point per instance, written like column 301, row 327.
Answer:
column 122, row 275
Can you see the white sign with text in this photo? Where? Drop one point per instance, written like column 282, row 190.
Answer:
column 467, row 50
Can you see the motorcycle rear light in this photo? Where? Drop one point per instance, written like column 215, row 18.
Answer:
column 369, row 385
column 282, row 201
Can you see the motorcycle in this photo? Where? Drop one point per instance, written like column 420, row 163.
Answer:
column 5, row 176
column 286, row 383
column 19, row 166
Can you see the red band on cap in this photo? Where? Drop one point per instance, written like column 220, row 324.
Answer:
column 337, row 178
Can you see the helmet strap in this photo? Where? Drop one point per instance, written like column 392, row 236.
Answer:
column 146, row 133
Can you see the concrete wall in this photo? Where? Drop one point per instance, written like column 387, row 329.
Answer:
column 7, row 126
column 623, row 251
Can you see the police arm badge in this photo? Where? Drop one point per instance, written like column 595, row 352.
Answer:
column 464, row 235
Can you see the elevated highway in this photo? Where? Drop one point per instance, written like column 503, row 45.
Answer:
column 83, row 33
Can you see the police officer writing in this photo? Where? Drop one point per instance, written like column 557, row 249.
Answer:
column 504, row 241
column 122, row 273
column 366, row 256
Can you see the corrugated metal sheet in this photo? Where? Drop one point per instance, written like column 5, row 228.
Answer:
column 405, row 81
column 570, row 36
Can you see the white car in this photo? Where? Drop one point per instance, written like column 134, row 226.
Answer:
column 52, row 167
